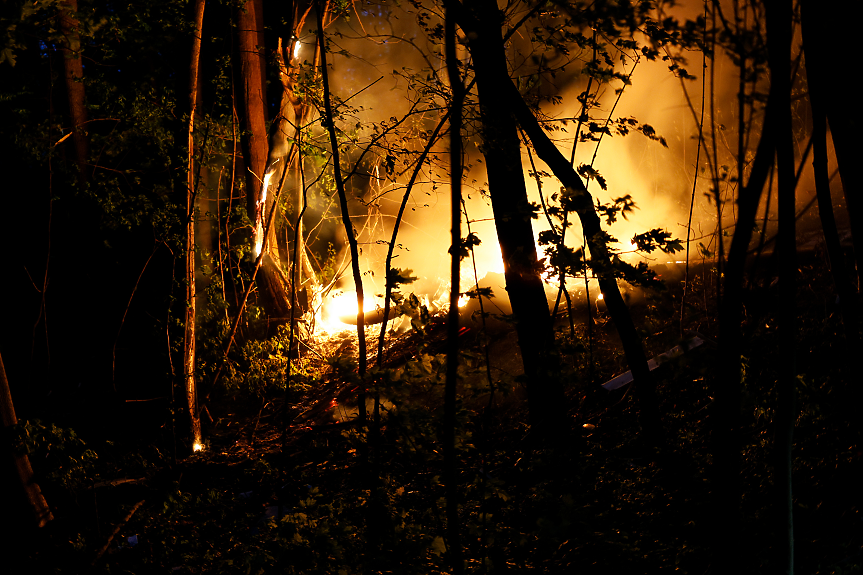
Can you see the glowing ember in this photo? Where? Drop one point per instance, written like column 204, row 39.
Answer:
column 198, row 447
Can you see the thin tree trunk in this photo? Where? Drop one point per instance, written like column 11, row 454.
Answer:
column 191, row 193
column 512, row 215
column 74, row 74
column 297, row 114
column 778, row 16
column 725, row 429
column 40, row 514
column 343, row 204
column 449, row 421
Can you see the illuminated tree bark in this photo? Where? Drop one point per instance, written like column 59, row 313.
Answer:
column 74, row 76
column 191, row 193
column 294, row 113
column 40, row 513
column 253, row 116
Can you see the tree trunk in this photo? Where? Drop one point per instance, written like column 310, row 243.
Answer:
column 74, row 75
column 582, row 202
column 822, row 44
column 343, row 204
column 778, row 15
column 191, row 193
column 298, row 114
column 253, row 111
column 39, row 513
column 817, row 81
column 512, row 215
column 450, row 400
column 725, row 420
column 293, row 114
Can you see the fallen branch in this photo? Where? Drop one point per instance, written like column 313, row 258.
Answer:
column 116, row 530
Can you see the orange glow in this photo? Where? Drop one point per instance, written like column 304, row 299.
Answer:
column 341, row 304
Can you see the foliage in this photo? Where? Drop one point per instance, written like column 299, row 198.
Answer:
column 61, row 457
column 324, row 494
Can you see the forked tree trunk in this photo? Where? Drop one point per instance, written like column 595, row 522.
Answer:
column 582, row 202
column 823, row 43
column 74, row 76
column 191, row 192
column 259, row 186
column 818, row 85
column 29, row 490
column 512, row 215
column 294, row 113
column 301, row 113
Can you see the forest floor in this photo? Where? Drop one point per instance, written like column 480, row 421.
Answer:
column 290, row 482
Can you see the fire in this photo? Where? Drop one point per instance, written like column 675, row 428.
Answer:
column 343, row 304
column 197, row 447
column 259, row 230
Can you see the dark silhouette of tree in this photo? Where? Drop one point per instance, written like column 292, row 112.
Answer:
column 481, row 22
column 28, row 491
column 454, row 547
column 779, row 18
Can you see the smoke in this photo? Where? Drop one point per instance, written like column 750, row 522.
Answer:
column 659, row 179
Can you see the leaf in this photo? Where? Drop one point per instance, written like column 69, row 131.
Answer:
column 438, row 547
column 586, row 171
column 397, row 277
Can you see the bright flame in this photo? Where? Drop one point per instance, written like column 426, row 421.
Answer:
column 600, row 297
column 343, row 304
column 259, row 230
column 462, row 301
column 297, row 49
column 198, row 446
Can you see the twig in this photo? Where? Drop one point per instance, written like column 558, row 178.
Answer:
column 126, row 311
column 116, row 530
column 695, row 178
